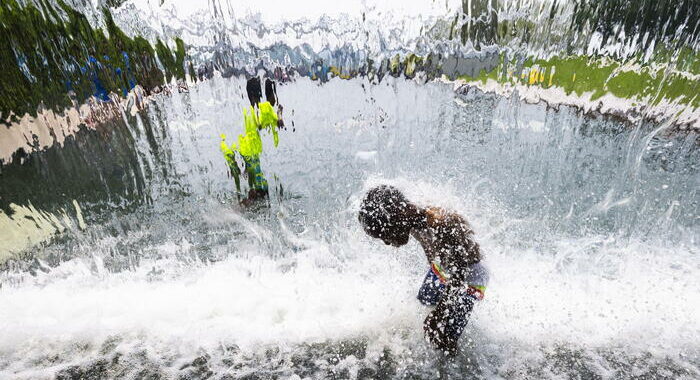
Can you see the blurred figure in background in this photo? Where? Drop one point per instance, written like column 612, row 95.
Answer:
column 261, row 115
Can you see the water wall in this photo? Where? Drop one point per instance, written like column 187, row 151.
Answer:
column 566, row 132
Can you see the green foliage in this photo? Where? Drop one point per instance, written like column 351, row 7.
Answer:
column 670, row 22
column 46, row 53
column 599, row 76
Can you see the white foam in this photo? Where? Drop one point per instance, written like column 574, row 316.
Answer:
column 243, row 300
column 584, row 291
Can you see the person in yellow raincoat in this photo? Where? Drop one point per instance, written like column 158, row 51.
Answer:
column 259, row 116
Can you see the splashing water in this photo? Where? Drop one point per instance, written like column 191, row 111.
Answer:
column 589, row 225
column 590, row 275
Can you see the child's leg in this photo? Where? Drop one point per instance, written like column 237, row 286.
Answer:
column 256, row 179
column 445, row 324
column 455, row 325
column 271, row 91
column 431, row 290
column 254, row 90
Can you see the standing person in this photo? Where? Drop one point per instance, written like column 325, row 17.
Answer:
column 456, row 280
column 260, row 115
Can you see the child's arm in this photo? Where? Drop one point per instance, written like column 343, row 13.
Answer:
column 269, row 120
column 230, row 157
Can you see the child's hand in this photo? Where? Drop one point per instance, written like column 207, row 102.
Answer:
column 434, row 329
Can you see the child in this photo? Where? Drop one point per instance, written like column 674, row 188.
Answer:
column 457, row 278
column 260, row 115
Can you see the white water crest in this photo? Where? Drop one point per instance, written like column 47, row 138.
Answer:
column 592, row 247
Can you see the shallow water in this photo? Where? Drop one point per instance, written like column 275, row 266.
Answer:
column 589, row 227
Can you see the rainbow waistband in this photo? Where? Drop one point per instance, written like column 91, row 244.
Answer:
column 475, row 291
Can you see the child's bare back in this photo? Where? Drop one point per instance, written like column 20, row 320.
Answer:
column 456, row 279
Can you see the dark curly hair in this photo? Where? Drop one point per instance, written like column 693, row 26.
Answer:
column 383, row 213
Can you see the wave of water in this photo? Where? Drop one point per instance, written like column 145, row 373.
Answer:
column 591, row 244
column 131, row 258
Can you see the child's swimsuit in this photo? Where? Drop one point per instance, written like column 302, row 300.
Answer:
column 433, row 289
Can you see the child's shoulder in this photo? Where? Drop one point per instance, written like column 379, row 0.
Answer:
column 438, row 216
column 435, row 215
